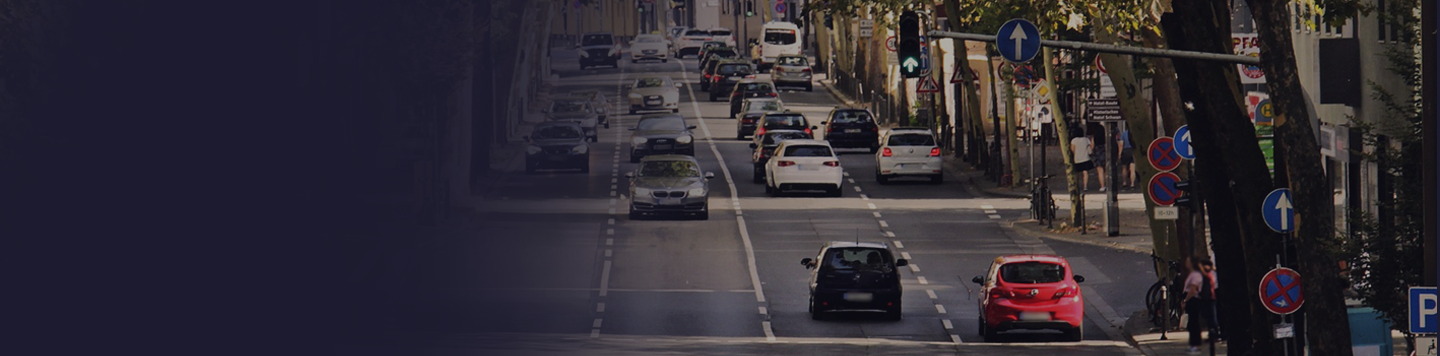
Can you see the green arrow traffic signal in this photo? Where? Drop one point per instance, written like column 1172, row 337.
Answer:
column 910, row 64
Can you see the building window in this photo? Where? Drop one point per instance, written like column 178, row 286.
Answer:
column 1380, row 31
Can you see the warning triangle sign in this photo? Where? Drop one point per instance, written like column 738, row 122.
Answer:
column 928, row 86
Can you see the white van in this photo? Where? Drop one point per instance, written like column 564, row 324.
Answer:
column 780, row 38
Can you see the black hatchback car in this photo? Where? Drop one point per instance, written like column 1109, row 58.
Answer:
column 859, row 276
column 852, row 128
column 557, row 144
column 726, row 75
column 750, row 88
column 661, row 134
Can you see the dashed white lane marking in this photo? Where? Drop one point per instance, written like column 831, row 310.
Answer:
column 876, row 213
column 612, row 193
column 871, row 205
column 947, row 324
column 891, row 234
column 605, row 279
column 597, row 323
column 992, row 216
column 922, row 280
column 594, row 333
column 613, row 180
column 939, row 308
column 857, row 188
column 608, row 254
column 899, row 245
column 847, row 174
column 955, row 339
column 851, row 180
column 612, row 221
column 884, row 224
column 609, row 242
column 763, row 311
column 931, row 292
column 609, row 231
column 905, row 255
column 863, row 196
column 599, row 307
column 913, row 268
column 612, row 187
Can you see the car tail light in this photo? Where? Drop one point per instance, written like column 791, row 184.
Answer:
column 1069, row 291
column 760, row 132
column 875, row 129
column 806, row 70
column 807, row 131
column 999, row 294
column 935, row 152
column 785, row 163
column 780, row 69
column 707, row 76
column 887, row 153
column 774, row 95
column 832, row 163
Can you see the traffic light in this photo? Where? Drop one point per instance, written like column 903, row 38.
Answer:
column 908, row 42
column 640, row 7
column 1187, row 194
column 749, row 8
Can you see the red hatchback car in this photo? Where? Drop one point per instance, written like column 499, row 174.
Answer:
column 1031, row 292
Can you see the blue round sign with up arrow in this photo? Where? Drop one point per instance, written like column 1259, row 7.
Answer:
column 1278, row 210
column 1182, row 143
column 1018, row 41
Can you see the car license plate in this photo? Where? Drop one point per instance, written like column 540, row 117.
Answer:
column 852, row 130
column 557, row 158
column 1034, row 316
column 662, row 147
column 809, row 167
column 858, row 297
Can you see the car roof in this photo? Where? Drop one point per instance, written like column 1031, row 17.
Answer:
column 842, row 244
column 598, row 33
column 792, row 55
column 718, row 28
column 807, row 142
column 662, row 116
column 787, row 112
column 757, row 80
column 908, row 129
column 570, row 97
column 557, row 123
column 1031, row 258
column 669, row 158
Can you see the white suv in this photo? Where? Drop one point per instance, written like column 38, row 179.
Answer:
column 804, row 165
column 908, row 152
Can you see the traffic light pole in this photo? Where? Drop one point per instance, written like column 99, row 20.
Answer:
column 1108, row 48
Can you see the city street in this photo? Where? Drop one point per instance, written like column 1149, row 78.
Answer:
column 555, row 266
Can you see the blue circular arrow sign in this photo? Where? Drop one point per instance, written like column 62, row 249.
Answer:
column 1182, row 143
column 1279, row 210
column 1018, row 40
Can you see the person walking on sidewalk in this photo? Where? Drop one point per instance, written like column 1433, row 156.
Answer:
column 1200, row 302
column 1127, row 160
column 1099, row 155
column 1080, row 149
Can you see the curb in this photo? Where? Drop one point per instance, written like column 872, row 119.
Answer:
column 830, row 88
column 1014, row 225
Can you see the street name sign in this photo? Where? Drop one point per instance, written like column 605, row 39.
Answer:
column 1182, row 143
column 1104, row 110
column 1279, row 211
column 1162, row 154
column 1281, row 291
column 1163, row 191
column 1018, row 41
column 1424, row 306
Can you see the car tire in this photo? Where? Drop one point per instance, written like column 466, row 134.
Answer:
column 1076, row 334
column 989, row 334
column 585, row 168
column 703, row 215
column 635, row 215
column 881, row 178
column 771, row 191
column 664, row 61
column 757, row 175
column 893, row 313
column 634, row 159
column 530, row 167
column 809, row 87
column 874, row 148
column 816, row 313
column 938, row 178
column 838, row 192
column 632, row 61
column 632, row 111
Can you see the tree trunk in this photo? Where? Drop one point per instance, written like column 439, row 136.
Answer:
column 968, row 88
column 1231, row 164
column 1011, row 119
column 1316, row 241
column 1062, row 132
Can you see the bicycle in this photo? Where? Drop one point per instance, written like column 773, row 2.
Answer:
column 1163, row 299
column 1042, row 203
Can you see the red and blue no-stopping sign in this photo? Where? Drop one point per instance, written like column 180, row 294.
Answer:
column 1162, row 189
column 1163, row 155
column 1281, row 291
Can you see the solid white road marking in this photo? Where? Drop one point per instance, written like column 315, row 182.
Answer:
column 939, row 308
column 922, row 280
column 605, row 279
column 947, row 324
column 769, row 334
column 931, row 292
column 899, row 245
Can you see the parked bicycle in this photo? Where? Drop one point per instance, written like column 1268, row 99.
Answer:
column 1042, row 203
column 1163, row 299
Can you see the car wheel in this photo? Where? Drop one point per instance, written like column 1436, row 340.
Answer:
column 810, row 87
column 757, row 175
column 874, row 148
column 530, row 167
column 894, row 312
column 837, row 192
column 585, row 168
column 816, row 313
column 771, row 191
column 664, row 61
column 607, row 125
column 703, row 215
column 713, row 98
column 989, row 334
column 635, row 215
column 632, row 61
column 881, row 178
column 937, row 178
column 634, row 159
column 632, row 111
column 1077, row 334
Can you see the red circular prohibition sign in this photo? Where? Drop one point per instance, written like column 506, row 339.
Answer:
column 1281, row 291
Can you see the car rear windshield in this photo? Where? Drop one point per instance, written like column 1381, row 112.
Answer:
column 911, row 140
column 852, row 117
column 776, row 121
column 765, row 105
column 556, row 132
column 565, row 106
column 857, row 258
column 597, row 40
column 669, row 169
column 1032, row 272
column 662, row 124
column 650, row 83
column 780, row 37
column 774, row 138
column 794, row 61
column 755, row 87
column 648, row 39
column 731, row 69
column 719, row 32
column 808, row 151
column 722, row 53
column 697, row 33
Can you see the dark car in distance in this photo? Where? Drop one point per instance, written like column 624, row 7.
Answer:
column 726, row 75
column 557, row 144
column 750, row 88
column 785, row 120
column 852, row 128
column 599, row 49
column 764, row 146
column 854, row 276
column 661, row 134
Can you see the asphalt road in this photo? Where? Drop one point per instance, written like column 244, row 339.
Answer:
column 553, row 265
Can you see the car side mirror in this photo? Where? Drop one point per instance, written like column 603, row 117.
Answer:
column 808, row 263
column 752, row 145
column 629, row 86
column 544, row 111
column 978, row 280
column 629, row 174
column 632, row 128
column 814, row 127
column 691, row 127
column 824, row 122
column 1079, row 279
column 902, row 262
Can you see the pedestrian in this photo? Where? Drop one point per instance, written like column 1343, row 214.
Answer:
column 1127, row 159
column 1080, row 152
column 1100, row 155
column 1199, row 301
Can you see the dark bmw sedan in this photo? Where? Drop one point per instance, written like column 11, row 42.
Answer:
column 661, row 134
column 669, row 184
column 557, row 144
column 852, row 128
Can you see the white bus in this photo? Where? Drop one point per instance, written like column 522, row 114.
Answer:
column 780, row 38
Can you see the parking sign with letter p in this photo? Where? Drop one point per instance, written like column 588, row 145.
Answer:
column 1424, row 307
